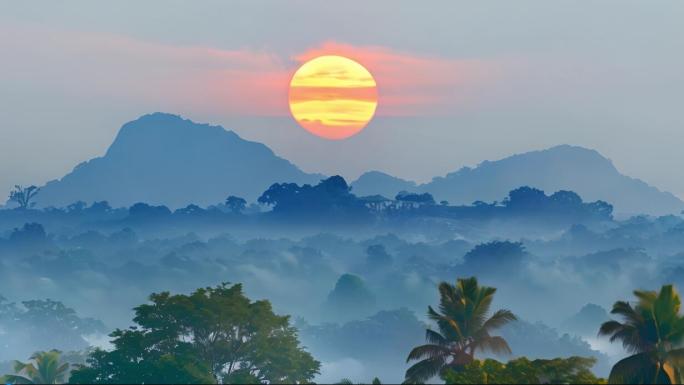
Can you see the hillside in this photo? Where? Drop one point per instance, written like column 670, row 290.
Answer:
column 164, row 159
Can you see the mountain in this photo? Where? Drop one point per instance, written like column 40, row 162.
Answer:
column 164, row 159
column 564, row 167
column 376, row 182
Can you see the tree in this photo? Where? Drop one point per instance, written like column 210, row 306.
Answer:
column 23, row 196
column 236, row 204
column 144, row 211
column 415, row 199
column 46, row 369
column 30, row 233
column 38, row 323
column 51, row 322
column 329, row 199
column 351, row 298
column 653, row 330
column 572, row 370
column 463, row 329
column 212, row 335
column 507, row 256
column 525, row 198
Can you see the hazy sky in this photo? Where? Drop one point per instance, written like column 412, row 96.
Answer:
column 459, row 82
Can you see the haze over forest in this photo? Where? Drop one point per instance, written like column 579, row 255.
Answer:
column 354, row 264
column 356, row 192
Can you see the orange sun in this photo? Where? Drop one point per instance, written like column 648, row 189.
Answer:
column 333, row 97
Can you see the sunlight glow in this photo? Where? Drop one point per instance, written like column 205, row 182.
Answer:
column 333, row 97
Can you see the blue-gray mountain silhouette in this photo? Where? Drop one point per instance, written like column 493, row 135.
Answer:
column 564, row 167
column 377, row 182
column 164, row 159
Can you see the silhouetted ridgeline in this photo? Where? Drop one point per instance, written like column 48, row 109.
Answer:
column 162, row 159
column 558, row 168
column 331, row 201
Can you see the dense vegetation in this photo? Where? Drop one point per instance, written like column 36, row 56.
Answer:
column 463, row 329
column 217, row 335
column 212, row 335
column 355, row 274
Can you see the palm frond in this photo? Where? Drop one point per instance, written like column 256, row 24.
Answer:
column 627, row 312
column 435, row 338
column 609, row 328
column 635, row 369
column 498, row 319
column 427, row 351
column 424, row 370
column 448, row 326
column 645, row 297
column 495, row 344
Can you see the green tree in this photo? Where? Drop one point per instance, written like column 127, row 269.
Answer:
column 653, row 330
column 572, row 370
column 46, row 368
column 212, row 335
column 463, row 328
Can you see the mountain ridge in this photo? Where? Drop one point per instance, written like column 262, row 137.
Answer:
column 161, row 158
column 561, row 167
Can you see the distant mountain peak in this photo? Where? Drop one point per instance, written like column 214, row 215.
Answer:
column 562, row 167
column 160, row 128
column 162, row 158
column 380, row 183
column 551, row 157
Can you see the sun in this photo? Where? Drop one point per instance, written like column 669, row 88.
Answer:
column 333, row 97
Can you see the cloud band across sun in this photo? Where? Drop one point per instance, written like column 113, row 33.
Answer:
column 332, row 96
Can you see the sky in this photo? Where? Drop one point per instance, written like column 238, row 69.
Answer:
column 458, row 82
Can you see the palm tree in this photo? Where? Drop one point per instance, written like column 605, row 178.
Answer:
column 47, row 370
column 653, row 330
column 463, row 328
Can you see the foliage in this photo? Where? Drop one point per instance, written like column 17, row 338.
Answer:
column 145, row 211
column 47, row 368
column 538, row 340
column 331, row 198
column 29, row 233
column 407, row 197
column 23, row 196
column 508, row 255
column 212, row 335
column 653, row 330
column 40, row 323
column 235, row 204
column 464, row 328
column 350, row 298
column 379, row 341
column 572, row 370
column 530, row 200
